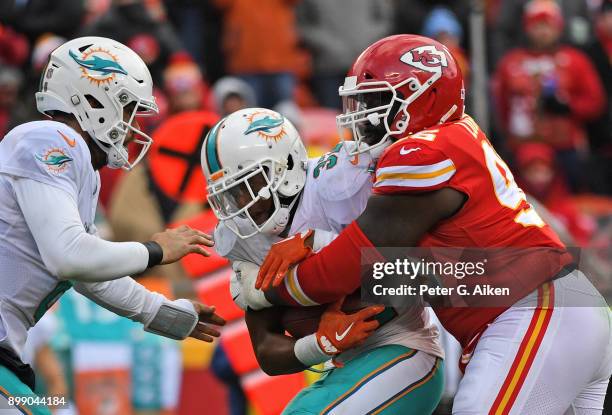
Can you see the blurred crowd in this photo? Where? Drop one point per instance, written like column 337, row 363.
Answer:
column 547, row 74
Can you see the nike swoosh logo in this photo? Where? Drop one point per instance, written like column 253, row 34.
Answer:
column 68, row 141
column 339, row 337
column 403, row 152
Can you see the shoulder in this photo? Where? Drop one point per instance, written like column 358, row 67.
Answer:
column 337, row 175
column 46, row 151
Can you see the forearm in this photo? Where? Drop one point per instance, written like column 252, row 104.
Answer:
column 274, row 350
column 67, row 250
column 332, row 273
column 124, row 297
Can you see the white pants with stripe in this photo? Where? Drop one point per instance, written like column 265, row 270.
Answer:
column 543, row 360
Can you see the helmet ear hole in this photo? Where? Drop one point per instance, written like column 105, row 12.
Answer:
column 290, row 162
column 93, row 102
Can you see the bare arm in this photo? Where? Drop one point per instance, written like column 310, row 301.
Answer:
column 274, row 350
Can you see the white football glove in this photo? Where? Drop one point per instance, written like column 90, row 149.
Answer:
column 246, row 275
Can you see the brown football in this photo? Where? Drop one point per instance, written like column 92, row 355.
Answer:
column 302, row 321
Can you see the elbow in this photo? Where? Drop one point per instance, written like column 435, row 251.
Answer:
column 68, row 268
column 267, row 362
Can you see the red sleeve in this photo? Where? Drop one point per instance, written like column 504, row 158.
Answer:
column 413, row 165
column 333, row 272
column 587, row 99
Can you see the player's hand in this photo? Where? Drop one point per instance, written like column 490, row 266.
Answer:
column 203, row 331
column 178, row 242
column 281, row 256
column 339, row 331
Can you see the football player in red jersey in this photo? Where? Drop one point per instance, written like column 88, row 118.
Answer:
column 441, row 184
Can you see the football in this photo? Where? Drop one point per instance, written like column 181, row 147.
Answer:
column 302, row 321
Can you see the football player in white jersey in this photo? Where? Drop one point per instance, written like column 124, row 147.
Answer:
column 262, row 187
column 92, row 90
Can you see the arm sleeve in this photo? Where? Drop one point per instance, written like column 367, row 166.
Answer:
column 587, row 96
column 412, row 166
column 67, row 250
column 124, row 297
column 330, row 274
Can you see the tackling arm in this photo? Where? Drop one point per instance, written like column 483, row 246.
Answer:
column 390, row 220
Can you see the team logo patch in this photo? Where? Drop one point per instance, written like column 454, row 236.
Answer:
column 266, row 125
column 56, row 160
column 426, row 58
column 98, row 65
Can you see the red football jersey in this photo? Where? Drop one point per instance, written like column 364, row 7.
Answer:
column 496, row 213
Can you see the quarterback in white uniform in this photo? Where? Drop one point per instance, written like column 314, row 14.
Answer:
column 261, row 185
column 92, row 89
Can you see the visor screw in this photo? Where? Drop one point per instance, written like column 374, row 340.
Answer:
column 240, row 167
column 106, row 88
column 114, row 134
column 123, row 98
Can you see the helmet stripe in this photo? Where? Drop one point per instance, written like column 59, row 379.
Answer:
column 212, row 157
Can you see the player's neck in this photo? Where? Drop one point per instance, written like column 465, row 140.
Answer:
column 98, row 156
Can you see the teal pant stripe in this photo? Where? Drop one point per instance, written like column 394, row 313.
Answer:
column 408, row 388
column 369, row 378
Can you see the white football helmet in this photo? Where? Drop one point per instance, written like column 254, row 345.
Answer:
column 94, row 78
column 249, row 143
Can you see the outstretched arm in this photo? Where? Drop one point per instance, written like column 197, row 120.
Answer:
column 395, row 220
column 70, row 252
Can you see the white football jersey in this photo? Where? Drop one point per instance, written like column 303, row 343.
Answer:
column 336, row 192
column 54, row 154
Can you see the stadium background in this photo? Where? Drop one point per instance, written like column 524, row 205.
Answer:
column 211, row 57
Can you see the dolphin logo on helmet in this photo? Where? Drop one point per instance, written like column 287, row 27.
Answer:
column 98, row 64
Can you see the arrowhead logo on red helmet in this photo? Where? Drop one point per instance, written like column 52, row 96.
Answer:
column 426, row 58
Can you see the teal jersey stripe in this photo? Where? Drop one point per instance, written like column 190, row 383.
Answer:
column 212, row 158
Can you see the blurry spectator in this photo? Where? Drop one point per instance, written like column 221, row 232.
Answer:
column 442, row 24
column 409, row 15
column 232, row 94
column 260, row 45
column 140, row 25
column 510, row 34
column 10, row 83
column 539, row 177
column 547, row 91
column 199, row 25
column 600, row 133
column 14, row 48
column 336, row 32
column 35, row 17
column 184, row 86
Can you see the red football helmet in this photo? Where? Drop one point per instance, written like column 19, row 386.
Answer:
column 400, row 85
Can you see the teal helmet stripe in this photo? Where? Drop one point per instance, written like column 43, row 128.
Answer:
column 212, row 157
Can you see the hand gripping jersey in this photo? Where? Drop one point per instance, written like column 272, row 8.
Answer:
column 54, row 154
column 495, row 214
column 336, row 192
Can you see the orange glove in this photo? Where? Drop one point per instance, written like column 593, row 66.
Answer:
column 339, row 331
column 281, row 256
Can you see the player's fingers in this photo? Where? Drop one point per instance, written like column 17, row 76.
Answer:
column 370, row 312
column 201, row 336
column 203, row 328
column 280, row 275
column 212, row 318
column 263, row 270
column 182, row 228
column 369, row 326
column 200, row 240
column 197, row 249
column 271, row 273
column 205, row 235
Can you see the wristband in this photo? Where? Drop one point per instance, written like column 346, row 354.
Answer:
column 156, row 253
column 308, row 352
